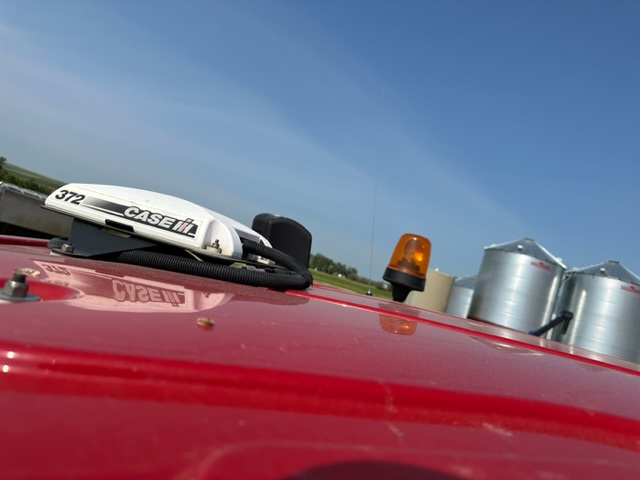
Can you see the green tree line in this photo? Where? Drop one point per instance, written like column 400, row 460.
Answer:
column 324, row 264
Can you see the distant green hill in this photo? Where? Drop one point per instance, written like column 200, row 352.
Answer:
column 22, row 177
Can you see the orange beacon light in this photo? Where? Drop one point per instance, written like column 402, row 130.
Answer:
column 407, row 268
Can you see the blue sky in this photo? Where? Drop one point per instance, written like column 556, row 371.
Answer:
column 483, row 121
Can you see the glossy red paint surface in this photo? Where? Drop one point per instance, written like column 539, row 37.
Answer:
column 128, row 372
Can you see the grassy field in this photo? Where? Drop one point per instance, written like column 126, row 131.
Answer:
column 29, row 175
column 334, row 281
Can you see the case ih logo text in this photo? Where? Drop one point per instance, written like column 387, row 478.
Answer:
column 133, row 292
column 541, row 265
column 184, row 227
column 631, row 288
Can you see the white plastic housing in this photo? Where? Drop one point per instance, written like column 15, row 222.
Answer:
column 154, row 216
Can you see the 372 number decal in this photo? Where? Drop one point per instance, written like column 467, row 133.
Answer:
column 69, row 196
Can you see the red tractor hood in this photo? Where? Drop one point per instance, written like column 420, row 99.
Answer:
column 118, row 371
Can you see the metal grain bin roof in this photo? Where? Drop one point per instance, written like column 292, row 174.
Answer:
column 527, row 246
column 611, row 269
column 466, row 282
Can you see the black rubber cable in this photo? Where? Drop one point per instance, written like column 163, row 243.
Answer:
column 297, row 277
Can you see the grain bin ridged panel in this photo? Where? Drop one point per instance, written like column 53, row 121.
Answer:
column 460, row 296
column 517, row 285
column 605, row 302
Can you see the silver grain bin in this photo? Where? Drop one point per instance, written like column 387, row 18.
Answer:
column 517, row 285
column 460, row 296
column 605, row 302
